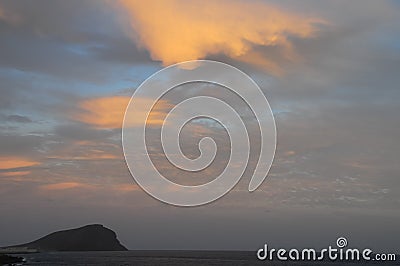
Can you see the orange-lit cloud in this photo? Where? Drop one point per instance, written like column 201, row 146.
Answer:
column 181, row 30
column 290, row 153
column 18, row 173
column 15, row 162
column 95, row 156
column 8, row 16
column 63, row 186
column 82, row 150
column 127, row 188
column 72, row 185
column 108, row 112
column 359, row 165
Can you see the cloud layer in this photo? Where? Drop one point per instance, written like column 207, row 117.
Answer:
column 68, row 68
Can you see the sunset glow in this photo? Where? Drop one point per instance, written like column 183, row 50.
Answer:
column 329, row 71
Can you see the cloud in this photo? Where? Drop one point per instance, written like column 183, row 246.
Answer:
column 75, row 33
column 81, row 132
column 108, row 112
column 99, row 155
column 15, row 162
column 127, row 187
column 175, row 31
column 8, row 16
column 19, row 144
column 85, row 150
column 63, row 186
column 124, row 188
column 17, row 173
column 18, row 119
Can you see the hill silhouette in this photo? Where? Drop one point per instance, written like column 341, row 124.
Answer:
column 93, row 237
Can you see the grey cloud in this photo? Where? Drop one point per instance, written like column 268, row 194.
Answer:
column 79, row 131
column 18, row 119
column 20, row 144
column 66, row 39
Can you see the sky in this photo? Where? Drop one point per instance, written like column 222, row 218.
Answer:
column 330, row 70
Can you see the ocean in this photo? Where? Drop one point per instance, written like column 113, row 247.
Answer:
column 167, row 258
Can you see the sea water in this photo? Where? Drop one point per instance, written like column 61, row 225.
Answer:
column 168, row 258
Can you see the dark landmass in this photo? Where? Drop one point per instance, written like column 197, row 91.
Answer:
column 6, row 259
column 94, row 237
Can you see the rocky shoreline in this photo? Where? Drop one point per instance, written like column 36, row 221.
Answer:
column 10, row 260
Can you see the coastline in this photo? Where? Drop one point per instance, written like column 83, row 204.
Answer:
column 6, row 259
column 168, row 257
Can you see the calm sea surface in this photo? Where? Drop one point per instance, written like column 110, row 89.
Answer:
column 171, row 258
